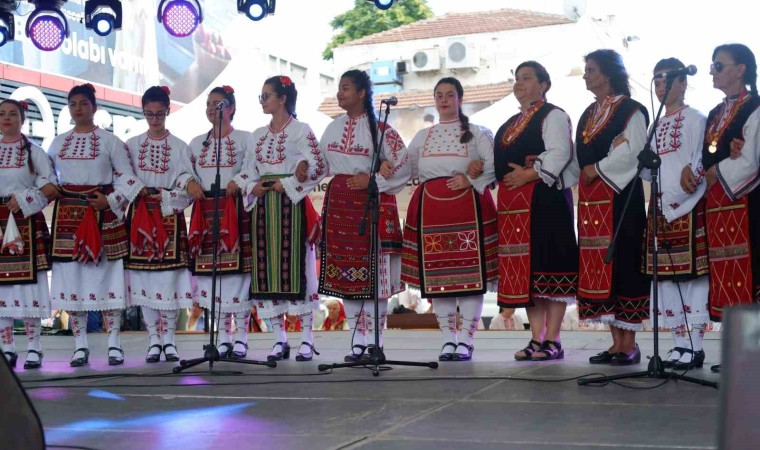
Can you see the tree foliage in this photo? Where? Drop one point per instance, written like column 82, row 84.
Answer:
column 365, row 19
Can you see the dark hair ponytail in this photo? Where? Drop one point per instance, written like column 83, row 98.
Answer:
column 463, row 119
column 361, row 81
column 284, row 86
column 87, row 89
column 27, row 145
column 228, row 93
column 611, row 65
column 741, row 54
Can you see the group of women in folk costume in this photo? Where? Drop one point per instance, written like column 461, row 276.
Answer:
column 119, row 237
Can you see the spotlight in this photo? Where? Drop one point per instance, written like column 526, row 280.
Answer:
column 382, row 4
column 7, row 27
column 47, row 26
column 102, row 16
column 256, row 9
column 180, row 17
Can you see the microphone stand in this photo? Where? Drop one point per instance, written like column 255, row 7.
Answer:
column 210, row 352
column 648, row 159
column 372, row 208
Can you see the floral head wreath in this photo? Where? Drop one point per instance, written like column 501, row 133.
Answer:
column 166, row 90
column 228, row 89
column 286, row 81
column 24, row 104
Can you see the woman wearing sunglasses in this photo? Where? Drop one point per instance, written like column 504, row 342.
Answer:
column 157, row 275
column 284, row 165
column 733, row 196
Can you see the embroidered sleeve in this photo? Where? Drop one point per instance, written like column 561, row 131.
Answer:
column 484, row 148
column 618, row 168
column 248, row 175
column 43, row 166
column 394, row 151
column 677, row 202
column 741, row 175
column 311, row 152
column 413, row 152
column 557, row 131
column 125, row 183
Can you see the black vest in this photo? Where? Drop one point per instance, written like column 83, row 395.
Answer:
column 529, row 142
column 734, row 130
column 599, row 147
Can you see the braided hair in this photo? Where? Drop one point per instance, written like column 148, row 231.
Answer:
column 284, row 86
column 362, row 82
column 741, row 54
column 26, row 144
column 463, row 119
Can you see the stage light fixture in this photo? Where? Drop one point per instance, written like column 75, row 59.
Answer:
column 256, row 9
column 47, row 26
column 7, row 27
column 382, row 4
column 180, row 17
column 102, row 16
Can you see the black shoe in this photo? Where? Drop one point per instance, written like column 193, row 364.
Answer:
column 355, row 357
column 243, row 354
column 447, row 356
column 533, row 346
column 307, row 356
column 33, row 364
column 170, row 357
column 79, row 362
column 715, row 368
column 625, row 359
column 697, row 360
column 116, row 360
column 604, row 357
column 225, row 350
column 551, row 350
column 464, row 356
column 668, row 363
column 153, row 358
column 284, row 352
column 12, row 357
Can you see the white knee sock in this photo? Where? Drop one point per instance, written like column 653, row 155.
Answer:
column 112, row 321
column 470, row 309
column 356, row 322
column 446, row 313
column 152, row 320
column 697, row 337
column 241, row 331
column 225, row 332
column 307, row 328
column 6, row 332
column 78, row 325
column 369, row 318
column 33, row 329
column 280, row 332
column 168, row 325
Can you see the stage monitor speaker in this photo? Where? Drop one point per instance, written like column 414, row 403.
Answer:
column 740, row 379
column 20, row 427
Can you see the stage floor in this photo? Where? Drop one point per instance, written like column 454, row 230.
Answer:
column 478, row 404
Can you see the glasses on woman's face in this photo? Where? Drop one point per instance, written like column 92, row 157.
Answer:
column 264, row 97
column 718, row 66
column 151, row 115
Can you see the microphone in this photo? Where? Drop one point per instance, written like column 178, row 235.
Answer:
column 390, row 101
column 223, row 104
column 689, row 70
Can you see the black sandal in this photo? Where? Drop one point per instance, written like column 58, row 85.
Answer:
column 447, row 356
column 241, row 355
column 284, row 352
column 115, row 360
column 33, row 364
column 12, row 358
column 227, row 352
column 532, row 347
column 307, row 356
column 551, row 350
column 354, row 357
column 171, row 357
column 153, row 358
column 463, row 356
column 667, row 362
column 79, row 362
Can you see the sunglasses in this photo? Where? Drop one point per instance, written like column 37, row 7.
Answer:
column 152, row 115
column 718, row 66
column 264, row 97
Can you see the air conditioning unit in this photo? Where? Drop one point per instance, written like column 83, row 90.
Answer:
column 426, row 60
column 461, row 54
